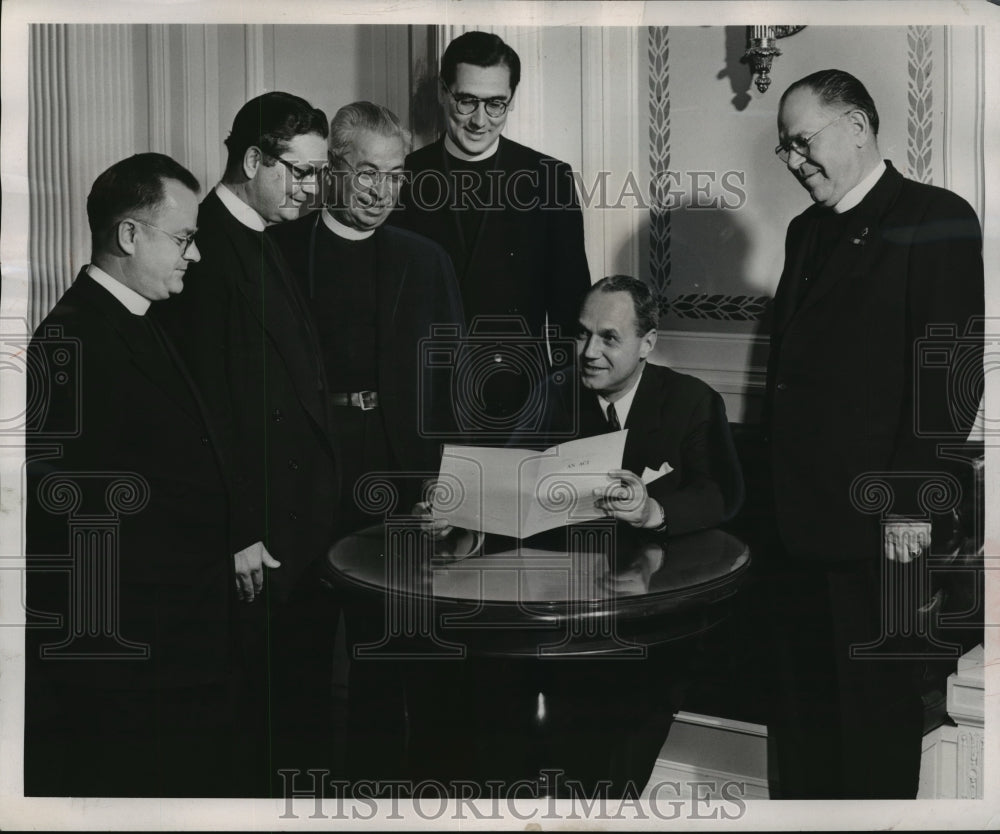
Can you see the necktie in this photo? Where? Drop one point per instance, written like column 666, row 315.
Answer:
column 613, row 418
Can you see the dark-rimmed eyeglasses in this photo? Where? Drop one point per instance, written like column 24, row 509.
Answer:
column 371, row 177
column 183, row 241
column 299, row 173
column 800, row 144
column 467, row 105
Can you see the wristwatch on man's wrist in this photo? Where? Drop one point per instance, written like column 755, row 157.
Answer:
column 662, row 528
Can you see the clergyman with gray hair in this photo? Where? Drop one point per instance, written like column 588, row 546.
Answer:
column 374, row 292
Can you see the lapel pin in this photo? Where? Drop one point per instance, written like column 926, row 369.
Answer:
column 860, row 240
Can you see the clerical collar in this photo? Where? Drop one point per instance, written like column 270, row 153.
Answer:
column 624, row 404
column 245, row 213
column 458, row 153
column 129, row 298
column 343, row 230
column 860, row 191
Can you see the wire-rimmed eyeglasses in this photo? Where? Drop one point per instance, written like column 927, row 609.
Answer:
column 184, row 241
column 800, row 144
column 371, row 177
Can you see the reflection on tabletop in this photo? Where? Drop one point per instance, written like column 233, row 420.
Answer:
column 578, row 563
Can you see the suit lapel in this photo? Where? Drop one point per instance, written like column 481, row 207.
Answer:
column 271, row 296
column 155, row 360
column 790, row 287
column 391, row 267
column 642, row 416
column 861, row 243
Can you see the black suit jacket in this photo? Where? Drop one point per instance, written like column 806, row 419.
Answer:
column 111, row 409
column 243, row 328
column 528, row 259
column 674, row 419
column 416, row 292
column 851, row 390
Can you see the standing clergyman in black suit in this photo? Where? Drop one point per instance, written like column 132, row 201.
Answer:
column 506, row 214
column 868, row 269
column 247, row 336
column 129, row 693
column 375, row 292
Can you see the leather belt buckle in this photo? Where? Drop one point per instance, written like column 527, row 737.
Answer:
column 366, row 400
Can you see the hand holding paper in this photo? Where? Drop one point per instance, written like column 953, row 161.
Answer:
column 625, row 499
column 520, row 492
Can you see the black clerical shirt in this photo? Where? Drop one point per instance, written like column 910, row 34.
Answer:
column 341, row 293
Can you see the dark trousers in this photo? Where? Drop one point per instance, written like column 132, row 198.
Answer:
column 166, row 742
column 363, row 451
column 287, row 709
column 842, row 725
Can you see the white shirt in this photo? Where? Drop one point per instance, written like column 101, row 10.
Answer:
column 458, row 153
column 623, row 405
column 129, row 298
column 343, row 230
column 246, row 214
column 860, row 191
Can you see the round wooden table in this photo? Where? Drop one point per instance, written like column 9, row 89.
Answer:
column 543, row 636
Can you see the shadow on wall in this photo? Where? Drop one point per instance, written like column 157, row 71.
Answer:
column 704, row 253
column 735, row 69
column 426, row 119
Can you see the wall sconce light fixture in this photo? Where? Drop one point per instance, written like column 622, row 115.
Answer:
column 762, row 47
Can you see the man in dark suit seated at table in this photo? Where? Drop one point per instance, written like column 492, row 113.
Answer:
column 677, row 424
column 678, row 437
column 677, row 427
column 129, row 663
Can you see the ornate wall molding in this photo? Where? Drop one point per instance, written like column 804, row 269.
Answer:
column 691, row 305
column 659, row 162
column 920, row 104
column 719, row 307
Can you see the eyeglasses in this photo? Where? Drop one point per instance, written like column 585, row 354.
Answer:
column 299, row 174
column 801, row 144
column 184, row 241
column 467, row 105
column 372, row 178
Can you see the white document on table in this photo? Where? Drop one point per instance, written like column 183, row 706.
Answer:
column 521, row 492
